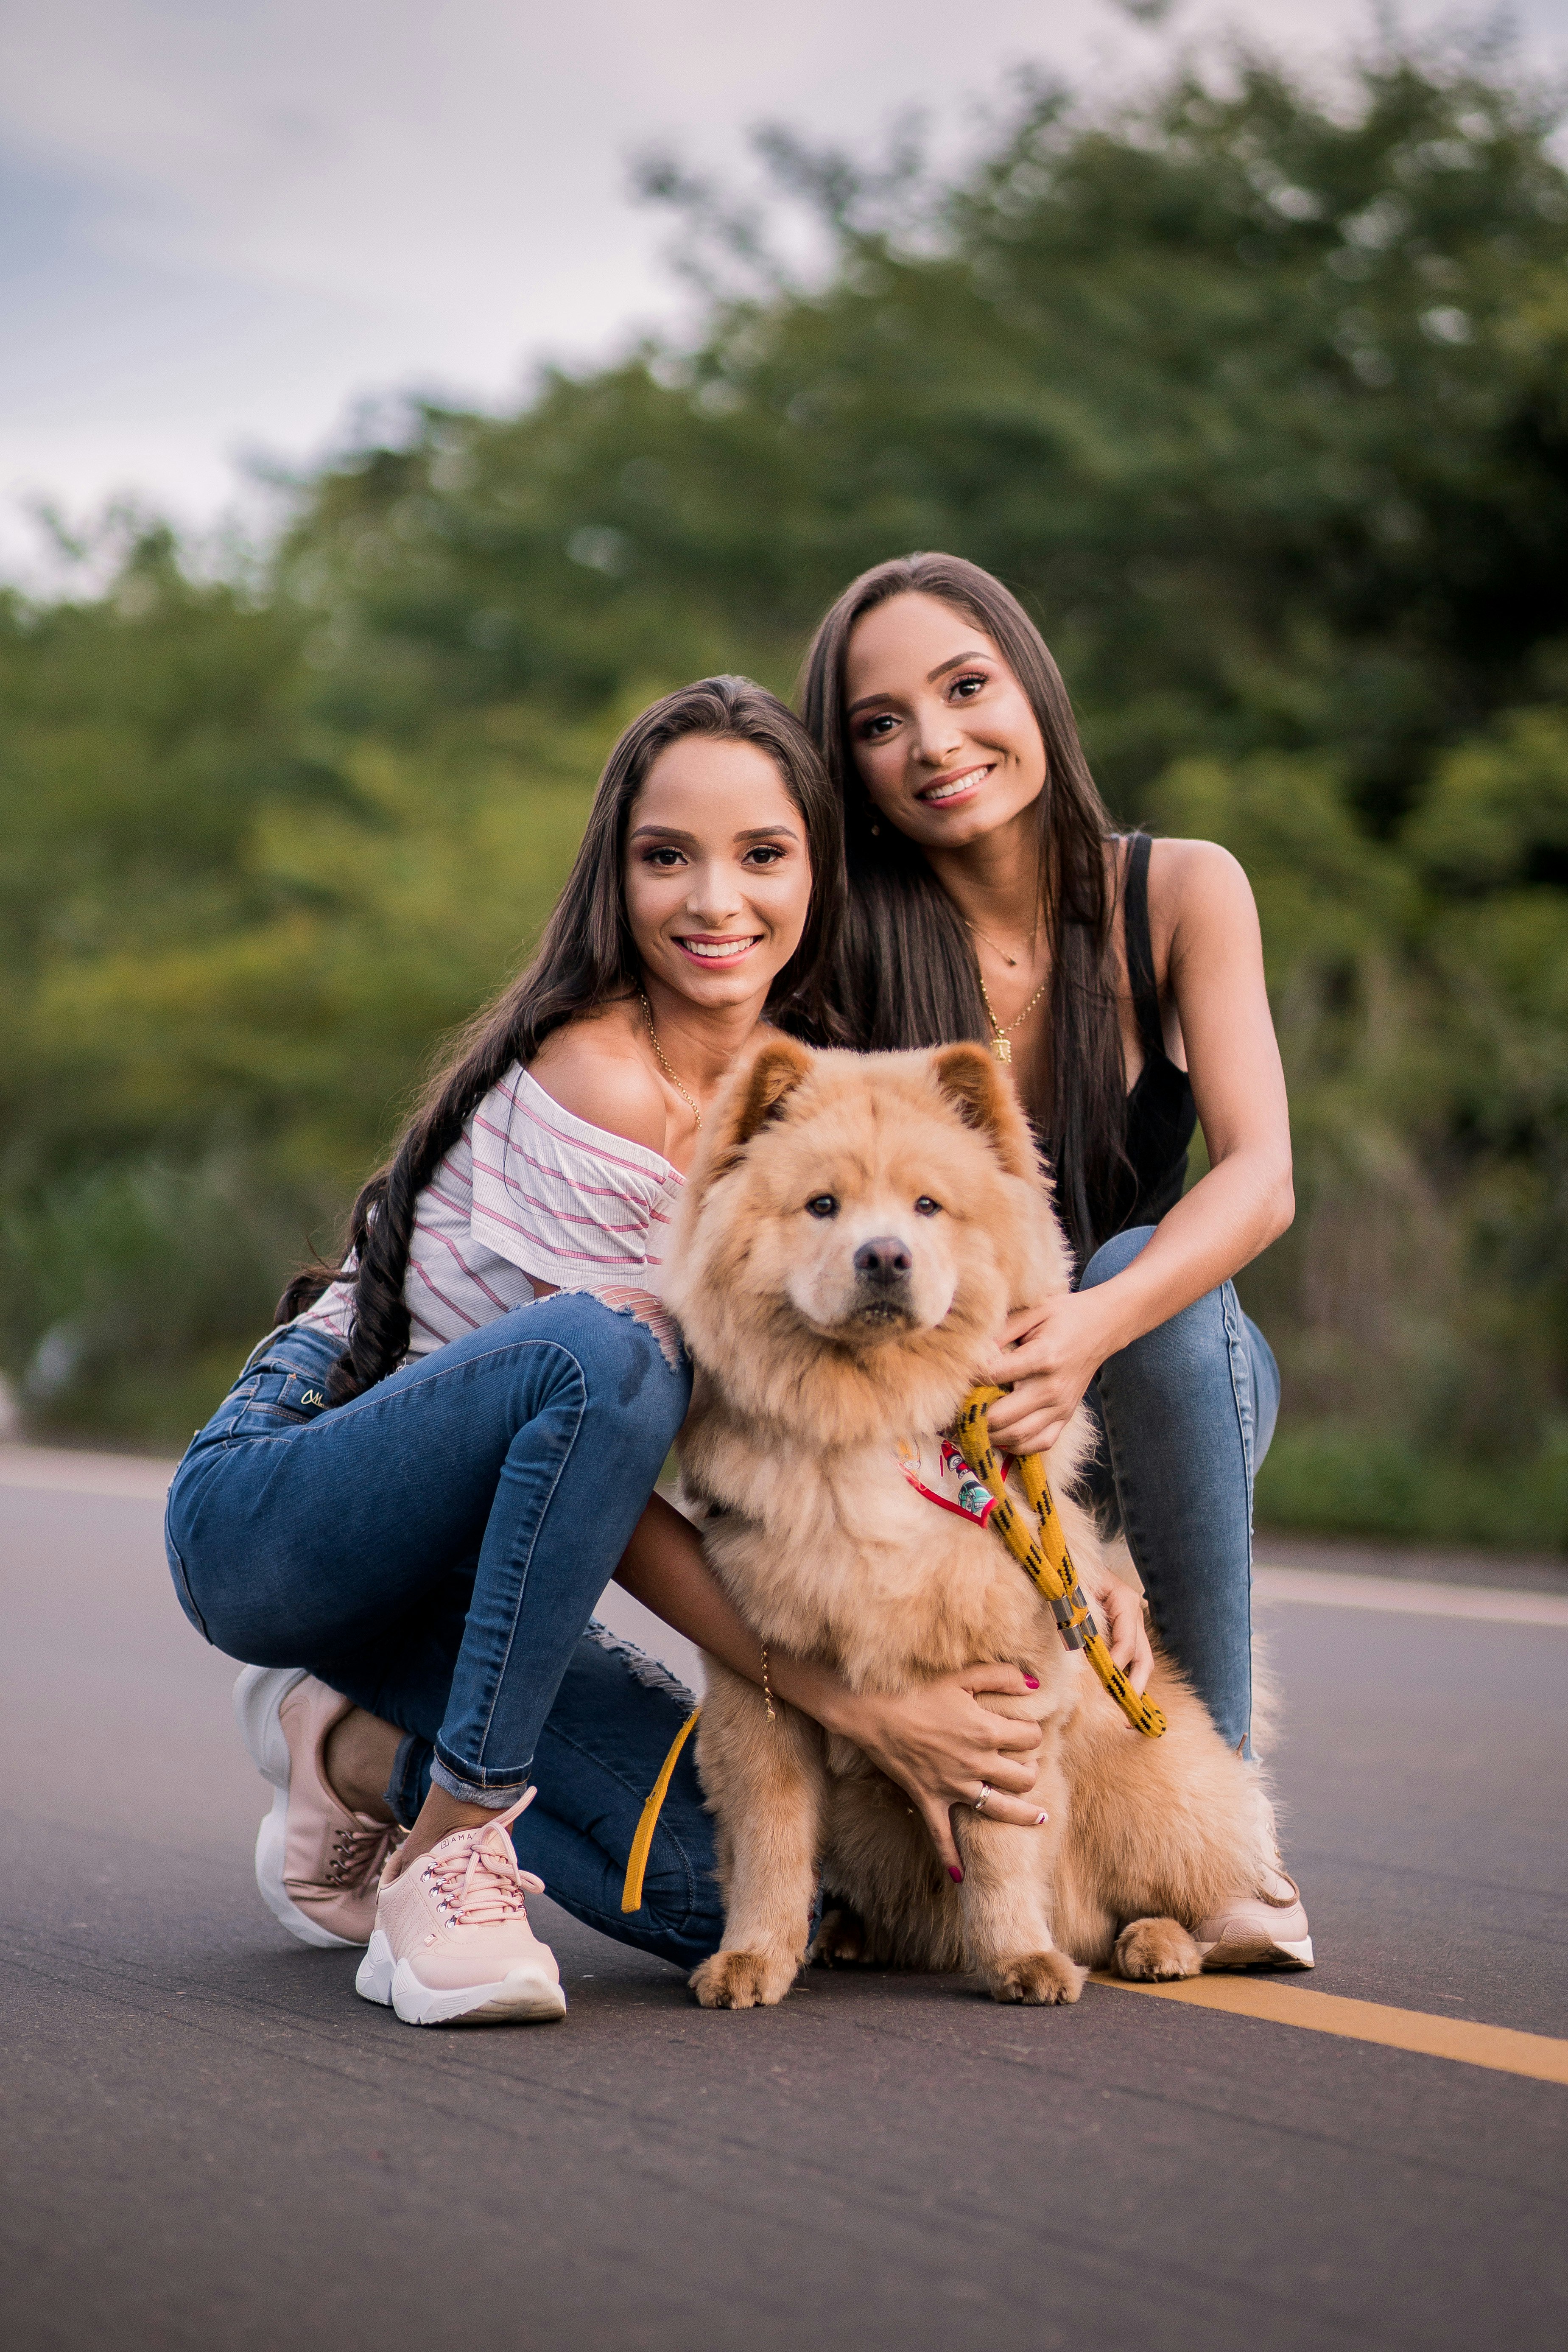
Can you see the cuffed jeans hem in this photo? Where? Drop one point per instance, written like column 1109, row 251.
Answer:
column 469, row 1792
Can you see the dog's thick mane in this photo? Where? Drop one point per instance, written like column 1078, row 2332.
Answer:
column 774, row 1368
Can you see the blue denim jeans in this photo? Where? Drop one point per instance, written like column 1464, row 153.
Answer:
column 433, row 1549
column 1186, row 1413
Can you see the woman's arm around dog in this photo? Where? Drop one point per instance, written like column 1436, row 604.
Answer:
column 939, row 1744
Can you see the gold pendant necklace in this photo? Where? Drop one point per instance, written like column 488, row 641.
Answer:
column 1001, row 1044
column 664, row 1059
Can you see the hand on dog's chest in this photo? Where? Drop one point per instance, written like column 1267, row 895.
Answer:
column 936, row 1469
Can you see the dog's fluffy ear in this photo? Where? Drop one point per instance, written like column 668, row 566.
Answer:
column 756, row 1095
column 969, row 1078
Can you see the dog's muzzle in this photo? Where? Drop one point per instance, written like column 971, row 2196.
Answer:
column 882, row 1272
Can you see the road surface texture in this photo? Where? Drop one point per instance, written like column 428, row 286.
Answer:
column 210, row 2142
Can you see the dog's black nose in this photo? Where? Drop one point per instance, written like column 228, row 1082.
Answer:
column 887, row 1259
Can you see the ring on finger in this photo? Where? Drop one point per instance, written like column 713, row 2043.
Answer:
column 986, row 1794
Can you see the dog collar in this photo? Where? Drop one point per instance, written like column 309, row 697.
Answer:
column 952, row 1484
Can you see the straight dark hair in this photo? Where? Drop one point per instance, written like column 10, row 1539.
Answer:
column 906, row 972
column 586, row 959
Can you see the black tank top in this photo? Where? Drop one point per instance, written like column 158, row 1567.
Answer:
column 1161, row 1112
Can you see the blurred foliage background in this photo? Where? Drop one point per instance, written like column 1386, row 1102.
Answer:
column 1259, row 399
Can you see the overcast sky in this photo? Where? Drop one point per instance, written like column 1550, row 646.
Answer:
column 223, row 222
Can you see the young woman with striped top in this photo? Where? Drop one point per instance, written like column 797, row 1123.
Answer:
column 406, row 1510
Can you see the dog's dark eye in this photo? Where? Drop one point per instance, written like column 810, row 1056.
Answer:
column 926, row 1207
column 824, row 1205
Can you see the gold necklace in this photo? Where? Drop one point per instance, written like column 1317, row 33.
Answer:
column 1000, row 950
column 999, row 1044
column 664, row 1059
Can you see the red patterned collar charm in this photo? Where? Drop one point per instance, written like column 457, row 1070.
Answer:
column 952, row 1484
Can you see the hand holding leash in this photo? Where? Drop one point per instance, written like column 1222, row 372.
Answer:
column 1048, row 1356
column 1044, row 1555
column 1119, row 1610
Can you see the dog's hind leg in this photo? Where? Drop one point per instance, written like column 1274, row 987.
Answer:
column 1149, row 1951
column 765, row 1781
column 841, row 1940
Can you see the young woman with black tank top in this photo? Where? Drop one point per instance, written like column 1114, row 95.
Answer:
column 1122, row 982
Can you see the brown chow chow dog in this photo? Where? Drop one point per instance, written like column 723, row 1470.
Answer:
column 850, row 1243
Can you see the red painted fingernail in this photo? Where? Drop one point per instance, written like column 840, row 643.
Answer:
column 955, row 1873
column 1032, row 1681
column 1040, row 1820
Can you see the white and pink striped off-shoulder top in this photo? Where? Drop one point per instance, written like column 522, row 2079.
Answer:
column 528, row 1189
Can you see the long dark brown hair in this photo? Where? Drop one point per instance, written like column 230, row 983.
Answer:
column 586, row 959
column 905, row 972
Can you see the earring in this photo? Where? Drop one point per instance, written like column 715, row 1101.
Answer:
column 875, row 830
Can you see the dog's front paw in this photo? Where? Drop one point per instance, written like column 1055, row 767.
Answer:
column 741, row 1980
column 1152, row 1950
column 1041, row 1979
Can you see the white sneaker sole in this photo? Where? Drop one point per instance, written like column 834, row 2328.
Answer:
column 257, row 1696
column 1261, row 1954
column 524, row 1996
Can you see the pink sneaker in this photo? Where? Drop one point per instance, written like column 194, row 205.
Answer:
column 316, row 1863
column 1262, row 1931
column 452, row 1944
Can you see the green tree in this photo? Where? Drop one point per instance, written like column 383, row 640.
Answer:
column 1258, row 401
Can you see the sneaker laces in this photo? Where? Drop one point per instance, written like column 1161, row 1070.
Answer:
column 481, row 1884
column 359, row 1850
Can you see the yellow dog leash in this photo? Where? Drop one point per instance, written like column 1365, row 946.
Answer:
column 1045, row 1559
column 637, row 1861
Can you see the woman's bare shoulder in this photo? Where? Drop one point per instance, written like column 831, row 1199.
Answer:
column 597, row 1069
column 1196, row 884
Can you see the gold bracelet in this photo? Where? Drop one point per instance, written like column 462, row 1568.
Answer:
column 767, row 1688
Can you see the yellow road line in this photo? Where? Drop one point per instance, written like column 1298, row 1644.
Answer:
column 1498, row 2046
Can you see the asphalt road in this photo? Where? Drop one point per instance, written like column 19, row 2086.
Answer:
column 209, row 2141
